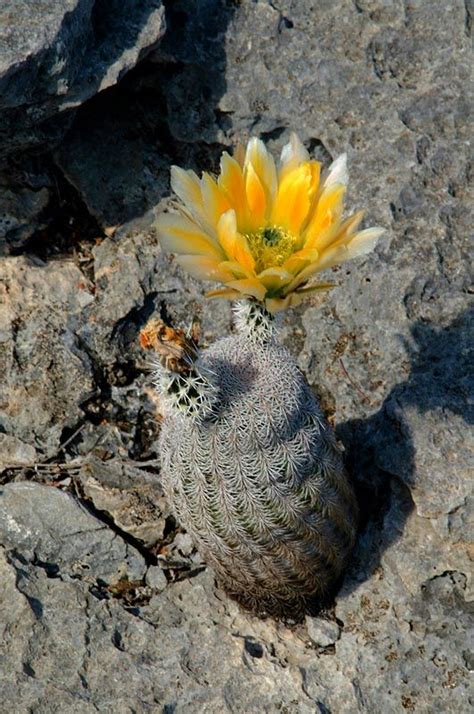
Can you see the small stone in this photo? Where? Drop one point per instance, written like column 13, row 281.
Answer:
column 156, row 578
column 322, row 632
column 184, row 543
column 14, row 452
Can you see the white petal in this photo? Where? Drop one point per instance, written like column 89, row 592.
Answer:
column 186, row 186
column 294, row 151
column 178, row 234
column 364, row 242
column 204, row 268
column 337, row 172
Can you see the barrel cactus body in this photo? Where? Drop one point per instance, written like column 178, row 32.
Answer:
column 250, row 464
column 254, row 474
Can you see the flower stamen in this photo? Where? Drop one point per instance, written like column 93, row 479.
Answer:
column 270, row 246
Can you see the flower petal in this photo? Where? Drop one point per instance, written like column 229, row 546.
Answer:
column 256, row 198
column 339, row 233
column 361, row 244
column 239, row 154
column 231, row 183
column 327, row 212
column 295, row 298
column 350, row 225
column 223, row 293
column 234, row 244
column 227, row 232
column 314, row 192
column 274, row 305
column 243, row 254
column 262, row 162
column 319, row 287
column 249, row 286
column 250, row 204
column 275, row 278
column 236, row 268
column 337, row 172
column 213, row 199
column 333, row 256
column 364, row 242
column 204, row 268
column 178, row 234
column 300, row 260
column 186, row 186
column 292, row 202
column 315, row 168
column 292, row 155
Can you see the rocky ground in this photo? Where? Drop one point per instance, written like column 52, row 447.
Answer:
column 105, row 605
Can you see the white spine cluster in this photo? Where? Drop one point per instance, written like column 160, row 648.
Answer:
column 253, row 321
column 192, row 394
column 256, row 478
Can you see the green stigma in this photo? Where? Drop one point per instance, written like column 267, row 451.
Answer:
column 270, row 246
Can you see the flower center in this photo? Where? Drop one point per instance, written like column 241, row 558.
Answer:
column 270, row 246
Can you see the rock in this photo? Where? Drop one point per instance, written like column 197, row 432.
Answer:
column 387, row 352
column 173, row 95
column 156, row 578
column 322, row 632
column 198, row 40
column 19, row 215
column 119, row 180
column 390, row 632
column 64, row 646
column 47, row 374
column 14, row 452
column 184, row 543
column 57, row 57
column 133, row 279
column 432, row 410
column 133, row 500
column 47, row 526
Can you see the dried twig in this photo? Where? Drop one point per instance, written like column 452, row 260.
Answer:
column 356, row 386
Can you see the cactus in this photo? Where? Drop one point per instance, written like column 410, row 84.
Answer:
column 255, row 477
column 250, row 465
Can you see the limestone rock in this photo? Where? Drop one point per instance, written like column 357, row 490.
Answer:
column 46, row 375
column 133, row 499
column 50, row 528
column 387, row 352
column 322, row 632
column 56, row 57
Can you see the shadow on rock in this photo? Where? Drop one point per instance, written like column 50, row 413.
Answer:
column 121, row 145
column 115, row 158
column 57, row 58
column 381, row 454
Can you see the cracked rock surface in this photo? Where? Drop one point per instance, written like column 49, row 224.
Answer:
column 105, row 605
column 54, row 58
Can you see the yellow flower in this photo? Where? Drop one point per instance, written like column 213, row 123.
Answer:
column 262, row 231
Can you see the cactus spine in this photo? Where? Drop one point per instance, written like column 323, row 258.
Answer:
column 252, row 470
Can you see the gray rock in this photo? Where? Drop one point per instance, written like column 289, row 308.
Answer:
column 19, row 211
column 119, row 180
column 47, row 375
column 184, row 543
column 156, row 578
column 134, row 501
column 387, row 352
column 322, row 632
column 14, row 452
column 49, row 527
column 133, row 278
column 55, row 58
